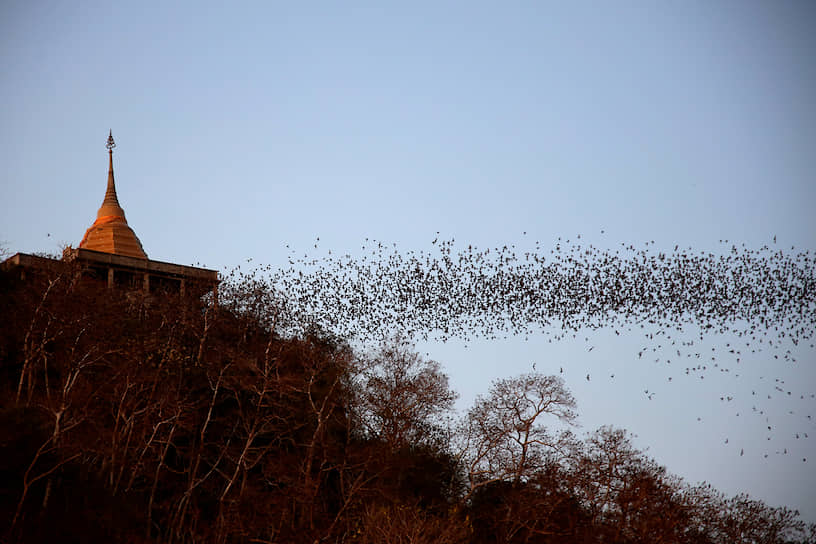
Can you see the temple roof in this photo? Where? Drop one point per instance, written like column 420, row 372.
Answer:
column 110, row 232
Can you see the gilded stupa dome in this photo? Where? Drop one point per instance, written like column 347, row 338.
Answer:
column 110, row 233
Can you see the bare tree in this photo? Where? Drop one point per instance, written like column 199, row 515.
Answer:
column 744, row 520
column 625, row 494
column 406, row 524
column 504, row 438
column 403, row 397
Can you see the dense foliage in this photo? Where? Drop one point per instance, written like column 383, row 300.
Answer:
column 128, row 417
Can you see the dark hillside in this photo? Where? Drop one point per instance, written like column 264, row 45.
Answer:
column 155, row 418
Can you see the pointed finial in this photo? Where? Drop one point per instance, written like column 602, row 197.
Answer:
column 111, row 144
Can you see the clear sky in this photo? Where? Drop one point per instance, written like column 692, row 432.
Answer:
column 245, row 127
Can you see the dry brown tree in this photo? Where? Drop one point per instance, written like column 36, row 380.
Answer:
column 504, row 434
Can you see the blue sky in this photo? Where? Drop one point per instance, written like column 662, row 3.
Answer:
column 244, row 128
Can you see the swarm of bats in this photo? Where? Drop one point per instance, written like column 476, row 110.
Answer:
column 466, row 292
column 759, row 299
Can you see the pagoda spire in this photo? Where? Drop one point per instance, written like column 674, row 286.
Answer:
column 110, row 232
column 110, row 205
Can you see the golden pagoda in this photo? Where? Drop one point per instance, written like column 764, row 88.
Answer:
column 111, row 253
column 110, row 233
